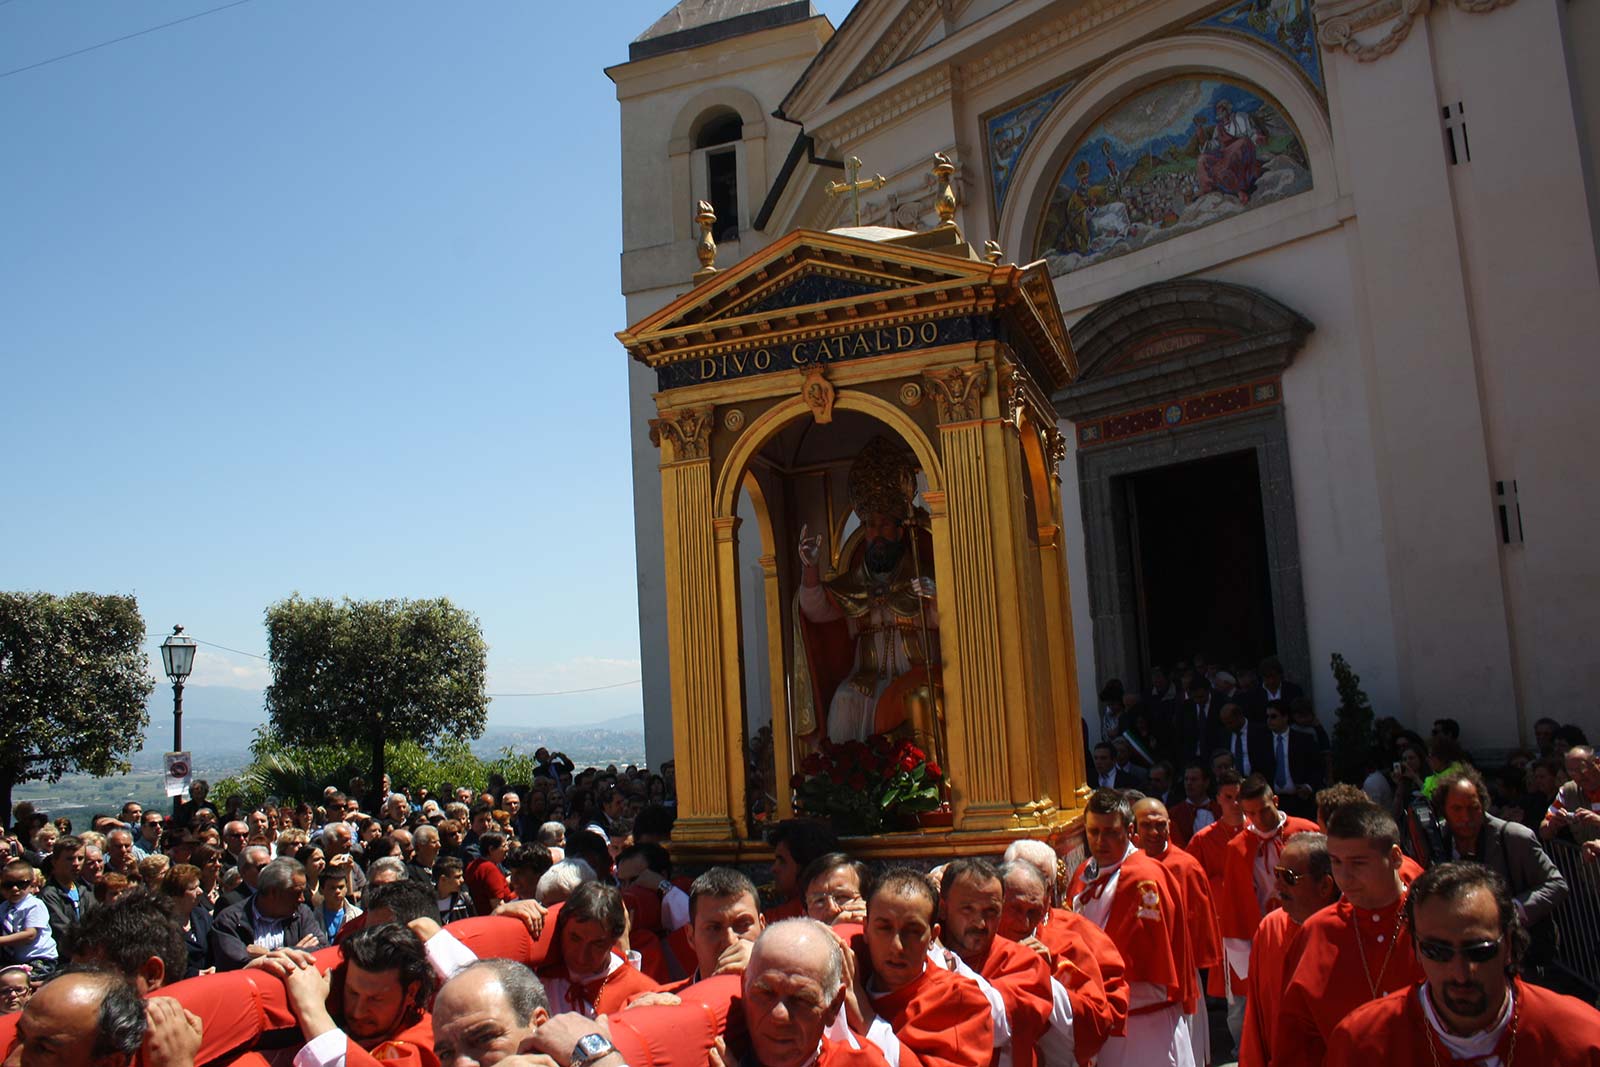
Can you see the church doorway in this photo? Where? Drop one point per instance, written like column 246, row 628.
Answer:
column 1198, row 545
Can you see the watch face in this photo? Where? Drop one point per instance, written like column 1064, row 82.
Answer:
column 589, row 1047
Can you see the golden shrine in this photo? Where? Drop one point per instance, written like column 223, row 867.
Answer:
column 774, row 377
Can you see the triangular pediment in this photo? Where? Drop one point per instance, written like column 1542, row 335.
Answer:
column 877, row 36
column 811, row 283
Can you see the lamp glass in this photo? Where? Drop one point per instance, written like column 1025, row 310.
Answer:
column 177, row 656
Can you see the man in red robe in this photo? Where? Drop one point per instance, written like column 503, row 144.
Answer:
column 1210, row 847
column 1305, row 887
column 794, row 985
column 1251, row 887
column 584, row 971
column 971, row 899
column 1136, row 902
column 1353, row 952
column 1152, row 833
column 940, row 1018
column 1470, row 1010
column 1082, row 959
column 1196, row 810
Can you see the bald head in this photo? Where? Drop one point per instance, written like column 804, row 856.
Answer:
column 1036, row 854
column 1152, row 827
column 795, row 964
column 487, row 1011
column 1026, row 900
column 90, row 1017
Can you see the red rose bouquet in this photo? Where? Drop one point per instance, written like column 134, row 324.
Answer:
column 868, row 787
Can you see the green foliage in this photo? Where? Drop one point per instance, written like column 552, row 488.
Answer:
column 367, row 671
column 74, row 679
column 1353, row 733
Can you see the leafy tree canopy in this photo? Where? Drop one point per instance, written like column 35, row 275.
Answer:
column 74, row 679
column 376, row 671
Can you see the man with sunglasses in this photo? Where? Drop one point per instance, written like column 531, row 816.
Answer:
column 1354, row 952
column 1305, row 887
column 1470, row 1007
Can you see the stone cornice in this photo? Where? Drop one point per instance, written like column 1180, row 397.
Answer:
column 1340, row 23
column 883, row 109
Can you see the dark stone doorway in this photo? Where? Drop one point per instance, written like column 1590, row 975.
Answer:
column 1199, row 550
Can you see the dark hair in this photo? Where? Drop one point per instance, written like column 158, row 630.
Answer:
column 481, row 808
column 1452, row 776
column 1111, row 802
column 531, row 856
column 1229, row 777
column 1366, row 822
column 1452, row 881
column 128, row 931
column 831, row 861
column 903, row 881
column 655, row 820
column 807, row 839
column 1276, row 705
column 1449, row 727
column 1198, row 765
column 489, row 841
column 979, row 870
column 592, row 849
column 447, row 865
column 1339, row 795
column 392, row 947
column 120, row 1025
column 719, row 883
column 408, row 899
column 1254, row 787
column 65, row 843
column 595, row 902
column 1102, row 744
column 656, row 858
column 175, row 882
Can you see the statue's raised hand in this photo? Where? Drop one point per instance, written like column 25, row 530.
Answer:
column 810, row 545
column 923, row 587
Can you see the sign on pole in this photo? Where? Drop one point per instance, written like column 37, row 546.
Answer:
column 180, row 769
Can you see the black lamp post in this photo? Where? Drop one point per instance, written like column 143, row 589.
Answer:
column 177, row 656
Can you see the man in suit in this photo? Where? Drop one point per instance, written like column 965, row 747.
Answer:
column 1250, row 744
column 1276, row 686
column 1196, row 732
column 276, row 917
column 251, row 859
column 1106, row 774
column 1295, row 768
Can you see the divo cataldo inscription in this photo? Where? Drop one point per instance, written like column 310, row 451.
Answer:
column 792, row 355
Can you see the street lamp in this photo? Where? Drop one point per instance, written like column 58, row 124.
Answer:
column 177, row 656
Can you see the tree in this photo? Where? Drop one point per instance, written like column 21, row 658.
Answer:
column 375, row 671
column 74, row 679
column 1352, row 731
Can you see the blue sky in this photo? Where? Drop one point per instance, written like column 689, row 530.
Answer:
column 318, row 296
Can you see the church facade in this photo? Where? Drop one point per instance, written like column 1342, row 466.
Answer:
column 1329, row 269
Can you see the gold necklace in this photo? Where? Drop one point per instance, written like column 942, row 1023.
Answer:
column 1511, row 1050
column 1394, row 939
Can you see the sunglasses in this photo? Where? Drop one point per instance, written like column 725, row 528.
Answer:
column 8, row 884
column 1444, row 952
column 1289, row 877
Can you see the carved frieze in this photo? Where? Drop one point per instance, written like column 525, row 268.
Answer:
column 1341, row 23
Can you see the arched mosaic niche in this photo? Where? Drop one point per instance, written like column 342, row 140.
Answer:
column 1169, row 159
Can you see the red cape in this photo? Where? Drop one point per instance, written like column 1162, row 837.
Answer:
column 1237, row 907
column 1264, row 989
column 1088, row 964
column 1205, row 936
column 942, row 1018
column 1183, row 818
column 1328, row 979
column 1148, row 926
column 1022, row 978
column 1210, row 847
column 839, row 1054
column 1551, row 1029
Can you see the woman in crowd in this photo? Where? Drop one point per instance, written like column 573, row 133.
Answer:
column 152, row 869
column 313, row 860
column 207, row 859
column 181, row 884
column 486, row 882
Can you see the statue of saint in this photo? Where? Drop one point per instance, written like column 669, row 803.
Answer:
column 866, row 636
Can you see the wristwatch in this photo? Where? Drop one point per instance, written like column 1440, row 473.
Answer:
column 591, row 1047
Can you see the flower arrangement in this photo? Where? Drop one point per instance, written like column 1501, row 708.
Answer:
column 869, row 787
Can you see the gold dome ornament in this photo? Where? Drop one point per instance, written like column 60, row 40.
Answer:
column 945, row 203
column 707, row 250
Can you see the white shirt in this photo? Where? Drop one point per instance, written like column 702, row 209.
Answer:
column 1479, row 1048
column 675, row 907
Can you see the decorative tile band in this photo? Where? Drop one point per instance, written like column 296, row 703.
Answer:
column 1192, row 409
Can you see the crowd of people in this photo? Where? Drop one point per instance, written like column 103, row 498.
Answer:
column 544, row 922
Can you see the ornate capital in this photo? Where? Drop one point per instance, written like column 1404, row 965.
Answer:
column 1055, row 443
column 958, row 390
column 688, row 430
column 818, row 393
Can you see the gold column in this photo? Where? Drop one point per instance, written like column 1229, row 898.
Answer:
column 1058, row 616
column 733, row 723
column 699, row 727
column 782, row 759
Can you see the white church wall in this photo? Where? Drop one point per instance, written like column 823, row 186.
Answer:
column 1528, row 256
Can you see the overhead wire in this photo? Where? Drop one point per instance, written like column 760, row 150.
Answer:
column 119, row 40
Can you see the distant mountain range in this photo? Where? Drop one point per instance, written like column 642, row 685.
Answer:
column 219, row 724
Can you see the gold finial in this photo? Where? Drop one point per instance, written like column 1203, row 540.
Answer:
column 991, row 252
column 855, row 184
column 707, row 218
column 945, row 204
